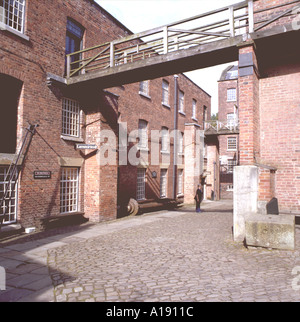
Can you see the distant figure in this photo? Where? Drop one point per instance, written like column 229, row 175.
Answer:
column 198, row 198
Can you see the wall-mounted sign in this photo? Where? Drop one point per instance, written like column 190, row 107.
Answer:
column 86, row 146
column 154, row 174
column 42, row 174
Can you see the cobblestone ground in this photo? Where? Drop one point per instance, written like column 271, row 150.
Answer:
column 176, row 256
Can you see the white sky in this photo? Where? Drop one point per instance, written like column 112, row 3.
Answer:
column 141, row 15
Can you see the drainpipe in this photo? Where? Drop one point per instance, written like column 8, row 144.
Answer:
column 175, row 138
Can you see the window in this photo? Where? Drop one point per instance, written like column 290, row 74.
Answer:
column 165, row 139
column 231, row 163
column 181, row 102
column 163, row 183
column 143, row 134
column 180, row 182
column 74, row 38
column 231, row 94
column 12, row 13
column 9, row 191
column 70, row 117
column 231, row 144
column 144, row 88
column 165, row 93
column 141, row 178
column 231, row 119
column 194, row 107
column 180, row 143
column 69, row 190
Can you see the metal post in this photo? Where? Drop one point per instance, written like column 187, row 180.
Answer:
column 251, row 16
column 231, row 21
column 68, row 66
column 112, row 55
column 166, row 40
column 175, row 138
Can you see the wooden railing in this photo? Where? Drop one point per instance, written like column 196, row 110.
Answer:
column 212, row 26
column 219, row 126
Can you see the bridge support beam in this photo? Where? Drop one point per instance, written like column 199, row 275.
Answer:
column 246, row 176
column 248, row 105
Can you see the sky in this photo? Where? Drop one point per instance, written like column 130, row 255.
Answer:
column 141, row 15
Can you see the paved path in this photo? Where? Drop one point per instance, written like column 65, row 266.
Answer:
column 162, row 256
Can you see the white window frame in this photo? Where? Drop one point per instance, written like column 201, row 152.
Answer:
column 231, row 119
column 232, row 144
column 144, row 88
column 165, row 93
column 180, row 143
column 141, row 184
column 181, row 102
column 69, row 190
column 231, row 163
column 70, row 118
column 10, row 203
column 231, row 95
column 194, row 109
column 143, row 134
column 180, row 182
column 165, row 140
column 12, row 16
column 163, row 183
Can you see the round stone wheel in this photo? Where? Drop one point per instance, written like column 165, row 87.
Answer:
column 132, row 207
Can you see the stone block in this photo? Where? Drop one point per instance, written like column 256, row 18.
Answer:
column 271, row 231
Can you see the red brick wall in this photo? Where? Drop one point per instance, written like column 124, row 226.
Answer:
column 29, row 61
column 44, row 52
column 262, row 15
column 225, row 107
column 279, row 139
column 133, row 106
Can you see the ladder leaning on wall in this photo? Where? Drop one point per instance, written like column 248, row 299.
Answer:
column 12, row 174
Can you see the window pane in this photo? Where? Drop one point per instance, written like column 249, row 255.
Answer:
column 12, row 13
column 163, row 183
column 69, row 190
column 141, row 176
column 70, row 117
column 9, row 190
column 231, row 94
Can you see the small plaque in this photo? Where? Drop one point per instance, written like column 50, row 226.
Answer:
column 42, row 174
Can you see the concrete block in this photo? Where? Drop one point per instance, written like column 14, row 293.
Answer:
column 271, row 231
column 245, row 196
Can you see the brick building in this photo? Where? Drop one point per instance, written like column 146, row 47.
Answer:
column 228, row 118
column 56, row 176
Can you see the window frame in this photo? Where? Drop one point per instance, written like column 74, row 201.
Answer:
column 69, row 194
column 141, row 184
column 143, row 135
column 228, row 143
column 165, row 140
column 180, row 183
column 194, row 109
column 181, row 102
column 11, row 200
column 231, row 163
column 230, row 96
column 163, row 183
column 144, row 88
column 4, row 21
column 165, row 93
column 69, row 116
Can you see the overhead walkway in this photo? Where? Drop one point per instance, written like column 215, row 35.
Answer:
column 201, row 41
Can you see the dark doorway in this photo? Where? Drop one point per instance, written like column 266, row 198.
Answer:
column 10, row 90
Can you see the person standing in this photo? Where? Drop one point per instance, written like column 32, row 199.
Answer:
column 198, row 198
